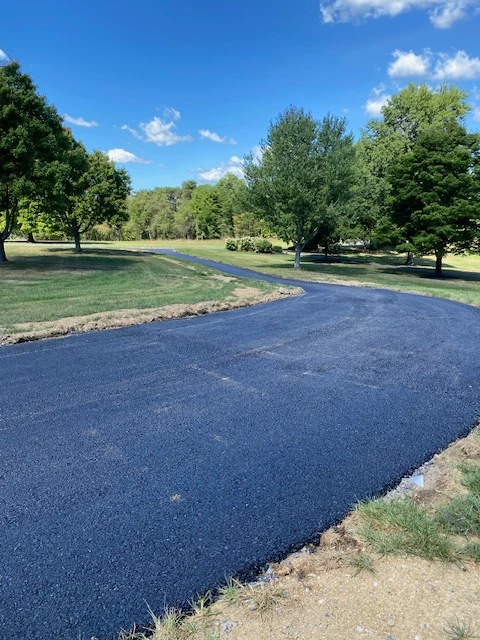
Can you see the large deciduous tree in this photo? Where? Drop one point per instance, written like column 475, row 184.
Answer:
column 407, row 115
column 296, row 185
column 30, row 134
column 88, row 191
column 436, row 190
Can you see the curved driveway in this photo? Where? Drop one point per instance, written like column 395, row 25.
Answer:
column 143, row 465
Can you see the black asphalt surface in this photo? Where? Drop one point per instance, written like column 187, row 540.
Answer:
column 143, row 465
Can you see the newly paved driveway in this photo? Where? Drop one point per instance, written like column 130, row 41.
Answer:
column 143, row 465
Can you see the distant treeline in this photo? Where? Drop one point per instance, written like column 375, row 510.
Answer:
column 192, row 212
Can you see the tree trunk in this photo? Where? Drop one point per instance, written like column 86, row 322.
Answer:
column 298, row 251
column 3, row 256
column 409, row 260
column 76, row 237
column 30, row 237
column 438, row 264
column 325, row 251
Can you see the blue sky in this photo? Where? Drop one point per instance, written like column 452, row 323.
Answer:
column 182, row 89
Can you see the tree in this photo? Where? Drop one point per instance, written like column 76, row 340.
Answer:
column 205, row 206
column 295, row 182
column 411, row 111
column 185, row 226
column 231, row 194
column 337, row 156
column 407, row 115
column 89, row 190
column 33, row 221
column 367, row 211
column 188, row 187
column 435, row 190
column 30, row 133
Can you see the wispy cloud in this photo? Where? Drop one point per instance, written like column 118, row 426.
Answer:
column 123, row 157
column 134, row 133
column 233, row 165
column 443, row 13
column 80, row 122
column 3, row 56
column 169, row 113
column 206, row 134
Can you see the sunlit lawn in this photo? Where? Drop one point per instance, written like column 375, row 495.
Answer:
column 49, row 282
column 460, row 281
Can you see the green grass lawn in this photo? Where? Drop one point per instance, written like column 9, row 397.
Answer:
column 48, row 282
column 460, row 281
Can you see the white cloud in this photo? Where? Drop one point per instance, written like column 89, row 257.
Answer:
column 377, row 101
column 162, row 132
column 408, row 64
column 457, row 67
column 80, row 122
column 233, row 165
column 444, row 16
column 3, row 56
column 476, row 114
column 435, row 66
column 206, row 134
column 134, row 133
column 122, row 156
column 443, row 13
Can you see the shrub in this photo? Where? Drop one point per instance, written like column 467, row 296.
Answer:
column 276, row 248
column 246, row 244
column 262, row 246
column 231, row 244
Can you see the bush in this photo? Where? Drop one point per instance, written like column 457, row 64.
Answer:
column 246, row 244
column 276, row 248
column 262, row 246
column 231, row 244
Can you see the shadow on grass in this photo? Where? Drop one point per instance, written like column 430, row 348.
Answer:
column 376, row 267
column 64, row 259
column 387, row 259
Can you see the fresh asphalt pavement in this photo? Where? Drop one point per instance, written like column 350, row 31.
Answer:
column 141, row 466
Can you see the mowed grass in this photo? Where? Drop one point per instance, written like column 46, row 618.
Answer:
column 460, row 281
column 49, row 282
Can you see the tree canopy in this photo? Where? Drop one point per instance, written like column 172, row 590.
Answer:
column 302, row 175
column 31, row 136
column 435, row 189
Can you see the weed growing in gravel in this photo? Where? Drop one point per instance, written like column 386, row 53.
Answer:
column 231, row 592
column 361, row 562
column 457, row 630
column 263, row 597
